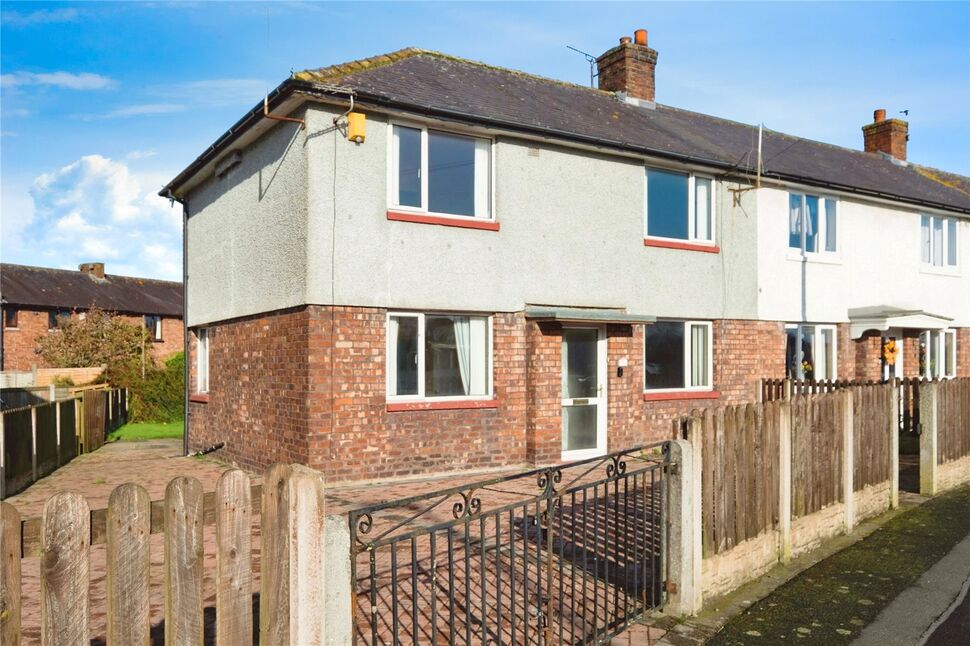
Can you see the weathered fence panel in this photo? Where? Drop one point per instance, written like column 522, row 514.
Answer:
column 184, row 552
column 94, row 404
column 65, row 571
column 873, row 426
column 816, row 452
column 46, row 447
column 234, row 609
column 18, row 450
column 9, row 574
column 67, row 431
column 128, row 529
column 953, row 420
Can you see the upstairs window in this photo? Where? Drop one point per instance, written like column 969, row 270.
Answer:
column 154, row 326
column 439, row 172
column 812, row 223
column 438, row 356
column 9, row 317
column 202, row 361
column 680, row 206
column 938, row 241
column 677, row 356
column 810, row 352
column 938, row 354
column 55, row 318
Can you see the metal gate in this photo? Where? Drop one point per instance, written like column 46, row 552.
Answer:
column 570, row 554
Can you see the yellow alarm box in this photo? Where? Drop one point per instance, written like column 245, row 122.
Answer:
column 356, row 127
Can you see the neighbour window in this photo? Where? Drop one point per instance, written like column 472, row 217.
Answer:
column 439, row 172
column 679, row 206
column 677, row 356
column 810, row 352
column 154, row 326
column 438, row 356
column 202, row 361
column 812, row 223
column 938, row 354
column 55, row 317
column 9, row 317
column 938, row 241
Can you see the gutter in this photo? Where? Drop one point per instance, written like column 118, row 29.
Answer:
column 289, row 86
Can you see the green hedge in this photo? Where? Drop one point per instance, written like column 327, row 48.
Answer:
column 159, row 396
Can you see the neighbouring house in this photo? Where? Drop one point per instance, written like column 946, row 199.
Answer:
column 415, row 263
column 34, row 299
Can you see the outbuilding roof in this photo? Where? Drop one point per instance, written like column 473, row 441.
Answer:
column 43, row 287
column 441, row 85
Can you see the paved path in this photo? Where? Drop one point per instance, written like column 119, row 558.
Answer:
column 953, row 628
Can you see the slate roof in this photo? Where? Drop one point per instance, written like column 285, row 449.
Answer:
column 438, row 84
column 43, row 287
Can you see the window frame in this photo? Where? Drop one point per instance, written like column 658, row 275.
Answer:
column 53, row 316
column 817, row 343
column 820, row 235
column 691, row 206
column 393, row 192
column 11, row 313
column 156, row 329
column 687, row 323
column 941, row 347
column 391, row 351
column 202, row 368
column 945, row 221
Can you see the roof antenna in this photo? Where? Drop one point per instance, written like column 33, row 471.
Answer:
column 589, row 59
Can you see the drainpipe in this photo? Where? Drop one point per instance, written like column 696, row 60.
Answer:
column 185, row 325
column 3, row 324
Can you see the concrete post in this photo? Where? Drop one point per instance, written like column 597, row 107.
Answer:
column 681, row 597
column 928, row 438
column 57, row 430
column 339, row 588
column 894, row 400
column 786, row 389
column 783, row 410
column 33, row 443
column 848, row 460
column 695, row 427
column 3, row 465
column 51, row 392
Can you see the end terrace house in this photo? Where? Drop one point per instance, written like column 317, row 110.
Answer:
column 417, row 263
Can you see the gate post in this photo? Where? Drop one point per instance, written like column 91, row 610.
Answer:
column 682, row 598
column 783, row 410
column 848, row 459
column 894, row 404
column 339, row 588
column 928, row 439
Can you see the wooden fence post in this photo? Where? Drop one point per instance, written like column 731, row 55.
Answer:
column 184, row 554
column 3, row 460
column 848, row 457
column 784, row 412
column 274, row 583
column 65, row 571
column 928, row 438
column 786, row 389
column 9, row 574
column 33, row 444
column 128, row 528
column 234, row 607
column 896, row 412
column 57, row 430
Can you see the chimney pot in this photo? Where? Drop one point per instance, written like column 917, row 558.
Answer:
column 879, row 115
column 887, row 136
column 95, row 269
column 624, row 40
column 640, row 37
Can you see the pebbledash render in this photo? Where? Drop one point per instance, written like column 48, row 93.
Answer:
column 416, row 263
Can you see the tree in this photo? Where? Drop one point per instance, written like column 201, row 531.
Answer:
column 95, row 339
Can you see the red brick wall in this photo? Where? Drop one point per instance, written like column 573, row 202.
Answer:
column 963, row 352
column 544, row 392
column 20, row 343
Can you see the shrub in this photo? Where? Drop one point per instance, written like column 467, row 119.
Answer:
column 158, row 397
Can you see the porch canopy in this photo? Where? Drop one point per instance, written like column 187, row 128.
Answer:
column 884, row 317
column 585, row 315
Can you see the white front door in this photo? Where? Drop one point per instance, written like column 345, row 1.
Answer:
column 583, row 392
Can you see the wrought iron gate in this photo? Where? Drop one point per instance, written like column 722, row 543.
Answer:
column 570, row 554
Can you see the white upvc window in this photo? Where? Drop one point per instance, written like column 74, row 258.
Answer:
column 202, row 360
column 439, row 173
column 438, row 356
column 938, row 241
column 679, row 206
column 811, row 352
column 938, row 354
column 678, row 355
column 154, row 326
column 813, row 224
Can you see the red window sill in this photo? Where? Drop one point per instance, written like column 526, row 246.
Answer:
column 199, row 399
column 400, row 407
column 470, row 223
column 691, row 394
column 685, row 246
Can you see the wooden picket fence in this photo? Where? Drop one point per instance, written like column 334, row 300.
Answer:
column 816, row 443
column 68, row 529
column 953, row 417
column 872, row 428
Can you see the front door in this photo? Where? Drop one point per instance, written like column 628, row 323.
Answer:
column 583, row 392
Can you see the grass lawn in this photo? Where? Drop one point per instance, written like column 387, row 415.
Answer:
column 146, row 431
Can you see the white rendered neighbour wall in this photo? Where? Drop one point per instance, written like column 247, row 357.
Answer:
column 878, row 263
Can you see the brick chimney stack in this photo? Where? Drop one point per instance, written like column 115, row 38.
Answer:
column 886, row 135
column 630, row 68
column 93, row 269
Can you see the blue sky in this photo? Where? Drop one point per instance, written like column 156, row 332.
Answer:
column 102, row 103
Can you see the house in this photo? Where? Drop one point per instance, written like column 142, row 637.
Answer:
column 34, row 299
column 415, row 263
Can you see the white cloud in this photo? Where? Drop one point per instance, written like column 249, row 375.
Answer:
column 141, row 154
column 217, row 92
column 16, row 112
column 41, row 17
column 93, row 209
column 142, row 110
column 64, row 80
